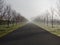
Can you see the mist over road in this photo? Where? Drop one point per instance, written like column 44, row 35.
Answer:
column 30, row 34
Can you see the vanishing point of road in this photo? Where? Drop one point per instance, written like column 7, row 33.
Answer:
column 30, row 34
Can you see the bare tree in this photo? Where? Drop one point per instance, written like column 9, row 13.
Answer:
column 17, row 18
column 8, row 11
column 14, row 14
column 52, row 14
column 47, row 16
column 1, row 8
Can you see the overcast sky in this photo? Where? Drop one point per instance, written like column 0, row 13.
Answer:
column 31, row 8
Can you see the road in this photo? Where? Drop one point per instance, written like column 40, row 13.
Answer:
column 30, row 34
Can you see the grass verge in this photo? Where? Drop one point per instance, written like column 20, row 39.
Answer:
column 4, row 30
column 55, row 30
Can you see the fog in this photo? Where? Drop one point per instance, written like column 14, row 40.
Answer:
column 31, row 8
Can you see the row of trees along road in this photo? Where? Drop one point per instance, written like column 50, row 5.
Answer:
column 8, row 15
column 48, row 16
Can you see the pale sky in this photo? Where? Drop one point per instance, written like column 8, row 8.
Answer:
column 31, row 8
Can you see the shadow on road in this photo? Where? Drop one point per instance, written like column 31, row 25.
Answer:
column 30, row 34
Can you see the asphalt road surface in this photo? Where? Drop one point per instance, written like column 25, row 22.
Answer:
column 30, row 34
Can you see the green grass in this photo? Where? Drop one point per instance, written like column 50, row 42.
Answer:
column 55, row 30
column 4, row 30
